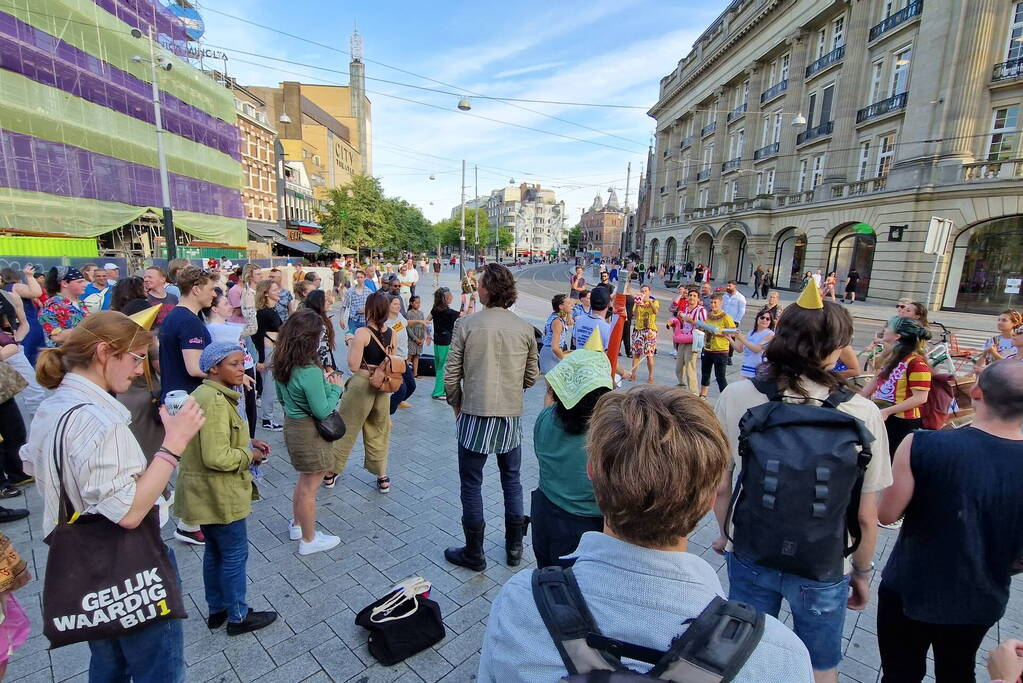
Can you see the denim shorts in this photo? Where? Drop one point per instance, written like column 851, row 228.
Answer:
column 818, row 608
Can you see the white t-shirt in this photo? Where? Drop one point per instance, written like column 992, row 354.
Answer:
column 399, row 332
column 738, row 397
column 1005, row 347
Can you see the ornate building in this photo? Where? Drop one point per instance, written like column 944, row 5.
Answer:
column 601, row 227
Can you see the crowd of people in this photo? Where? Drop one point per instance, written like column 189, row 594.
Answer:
column 798, row 465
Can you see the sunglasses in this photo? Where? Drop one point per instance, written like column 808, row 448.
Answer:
column 902, row 306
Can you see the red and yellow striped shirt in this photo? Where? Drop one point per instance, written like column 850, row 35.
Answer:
column 912, row 373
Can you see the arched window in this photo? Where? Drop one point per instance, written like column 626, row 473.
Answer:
column 789, row 254
column 985, row 259
column 853, row 248
column 671, row 250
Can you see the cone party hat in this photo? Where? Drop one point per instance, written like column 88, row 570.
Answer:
column 595, row 342
column 147, row 317
column 811, row 297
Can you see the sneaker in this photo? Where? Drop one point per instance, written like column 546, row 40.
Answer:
column 216, row 619
column 191, row 537
column 272, row 426
column 330, row 481
column 253, row 621
column 319, row 543
column 9, row 515
column 294, row 532
column 10, row 491
column 24, row 481
column 897, row 524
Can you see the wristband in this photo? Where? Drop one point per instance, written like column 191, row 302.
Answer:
column 861, row 572
column 164, row 449
column 166, row 458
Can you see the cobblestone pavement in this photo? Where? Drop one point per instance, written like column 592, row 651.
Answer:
column 384, row 538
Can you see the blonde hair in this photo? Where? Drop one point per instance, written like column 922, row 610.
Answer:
column 261, row 291
column 78, row 345
column 248, row 272
column 656, row 457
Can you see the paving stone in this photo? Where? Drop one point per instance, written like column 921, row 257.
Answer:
column 337, row 661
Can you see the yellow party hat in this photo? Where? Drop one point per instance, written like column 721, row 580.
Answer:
column 146, row 318
column 595, row 342
column 811, row 297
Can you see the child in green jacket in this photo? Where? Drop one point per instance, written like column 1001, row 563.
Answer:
column 214, row 489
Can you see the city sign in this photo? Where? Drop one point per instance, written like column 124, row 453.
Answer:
column 205, row 52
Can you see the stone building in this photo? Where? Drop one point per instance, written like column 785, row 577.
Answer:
column 601, row 227
column 534, row 216
column 800, row 134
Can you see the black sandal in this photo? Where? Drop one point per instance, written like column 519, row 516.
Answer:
column 384, row 484
column 329, row 481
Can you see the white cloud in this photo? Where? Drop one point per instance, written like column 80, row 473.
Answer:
column 527, row 70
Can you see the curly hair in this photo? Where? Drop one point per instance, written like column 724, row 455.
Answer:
column 500, row 285
column 298, row 344
column 127, row 289
column 804, row 338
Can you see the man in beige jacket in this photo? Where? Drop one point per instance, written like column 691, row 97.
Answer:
column 492, row 360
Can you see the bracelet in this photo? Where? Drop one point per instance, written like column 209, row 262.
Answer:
column 166, row 458
column 164, row 449
column 860, row 572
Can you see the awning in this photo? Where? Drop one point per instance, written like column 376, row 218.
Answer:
column 263, row 232
column 301, row 246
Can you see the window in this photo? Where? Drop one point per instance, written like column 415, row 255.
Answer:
column 900, row 72
column 765, row 136
column 827, row 97
column 708, row 155
column 769, row 185
column 704, row 197
column 893, row 6
column 838, row 33
column 885, row 154
column 776, row 133
column 733, row 188
column 784, row 68
column 818, row 171
column 682, row 204
column 822, row 42
column 1004, row 134
column 802, row 176
column 811, row 106
column 686, row 165
column 664, row 207
column 1015, row 47
column 740, row 142
column 759, row 187
column 864, row 165
column 876, row 69
column 745, row 91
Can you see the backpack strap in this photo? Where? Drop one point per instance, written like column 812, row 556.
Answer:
column 568, row 620
column 767, row 388
column 715, row 646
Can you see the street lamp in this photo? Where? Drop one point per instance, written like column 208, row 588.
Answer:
column 798, row 121
column 464, row 104
column 284, row 118
column 160, row 62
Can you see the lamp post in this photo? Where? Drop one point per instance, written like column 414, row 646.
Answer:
column 160, row 62
column 476, row 258
column 461, row 235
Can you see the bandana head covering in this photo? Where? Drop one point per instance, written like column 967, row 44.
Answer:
column 216, row 352
column 579, row 373
column 69, row 274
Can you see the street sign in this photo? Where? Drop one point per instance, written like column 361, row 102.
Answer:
column 937, row 235
column 1012, row 285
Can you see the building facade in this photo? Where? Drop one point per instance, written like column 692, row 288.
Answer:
column 601, row 228
column 259, row 175
column 533, row 215
column 799, row 135
column 78, row 152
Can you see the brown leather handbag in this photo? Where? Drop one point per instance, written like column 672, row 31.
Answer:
column 387, row 376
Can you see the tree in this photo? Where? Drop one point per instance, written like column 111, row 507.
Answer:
column 448, row 231
column 574, row 237
column 411, row 231
column 357, row 214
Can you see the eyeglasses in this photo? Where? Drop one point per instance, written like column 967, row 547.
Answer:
column 139, row 360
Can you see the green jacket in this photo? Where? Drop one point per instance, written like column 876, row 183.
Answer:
column 214, row 484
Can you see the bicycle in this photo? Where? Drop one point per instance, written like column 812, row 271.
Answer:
column 956, row 359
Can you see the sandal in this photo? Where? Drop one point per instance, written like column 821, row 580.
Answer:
column 10, row 491
column 329, row 481
column 384, row 484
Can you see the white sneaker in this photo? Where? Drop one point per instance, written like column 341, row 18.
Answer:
column 319, row 543
column 897, row 524
column 294, row 532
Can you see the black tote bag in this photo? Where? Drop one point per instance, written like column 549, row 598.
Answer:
column 102, row 580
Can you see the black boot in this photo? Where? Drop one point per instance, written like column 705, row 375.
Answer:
column 471, row 556
column 514, row 529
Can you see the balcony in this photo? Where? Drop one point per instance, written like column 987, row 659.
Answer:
column 664, row 189
column 1000, row 169
column 702, row 175
column 766, row 152
column 731, row 165
column 775, row 90
column 679, row 184
column 895, row 20
column 1007, row 71
column 833, row 57
column 883, row 107
column 686, row 141
column 816, row 132
column 858, row 188
column 708, row 129
column 736, row 113
column 667, row 153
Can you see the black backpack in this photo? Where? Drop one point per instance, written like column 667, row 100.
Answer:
column 713, row 648
column 798, row 493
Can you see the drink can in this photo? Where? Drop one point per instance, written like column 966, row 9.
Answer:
column 174, row 400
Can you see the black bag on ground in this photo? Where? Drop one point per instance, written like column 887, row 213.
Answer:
column 713, row 648
column 102, row 580
column 410, row 625
column 427, row 365
column 798, row 494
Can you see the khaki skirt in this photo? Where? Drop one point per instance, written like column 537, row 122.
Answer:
column 309, row 452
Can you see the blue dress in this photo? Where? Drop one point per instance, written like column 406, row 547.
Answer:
column 35, row 337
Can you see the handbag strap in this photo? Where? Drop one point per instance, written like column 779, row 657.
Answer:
column 59, row 432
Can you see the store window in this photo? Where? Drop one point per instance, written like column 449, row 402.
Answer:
column 789, row 254
column 986, row 265
column 850, row 249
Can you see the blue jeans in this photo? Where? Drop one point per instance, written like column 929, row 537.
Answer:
column 223, row 568
column 818, row 608
column 470, row 472
column 154, row 654
column 353, row 325
column 407, row 388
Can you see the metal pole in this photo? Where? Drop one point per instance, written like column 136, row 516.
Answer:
column 625, row 224
column 476, row 171
column 461, row 235
column 168, row 212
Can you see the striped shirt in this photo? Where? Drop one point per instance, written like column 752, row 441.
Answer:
column 912, row 373
column 102, row 457
column 489, row 434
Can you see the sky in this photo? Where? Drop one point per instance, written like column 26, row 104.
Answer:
column 594, row 52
